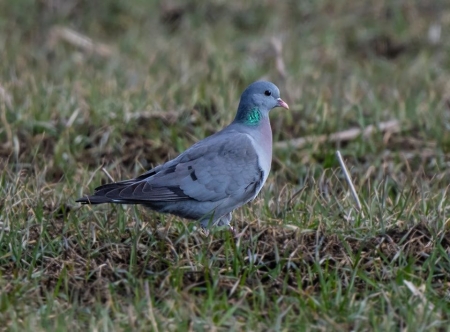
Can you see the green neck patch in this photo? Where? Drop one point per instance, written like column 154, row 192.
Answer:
column 252, row 117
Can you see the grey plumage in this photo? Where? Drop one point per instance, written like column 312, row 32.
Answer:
column 214, row 176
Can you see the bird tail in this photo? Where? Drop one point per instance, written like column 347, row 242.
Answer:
column 100, row 195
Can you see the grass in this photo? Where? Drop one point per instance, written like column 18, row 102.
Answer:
column 306, row 260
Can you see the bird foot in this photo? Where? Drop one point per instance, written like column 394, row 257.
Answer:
column 231, row 228
column 234, row 232
column 205, row 232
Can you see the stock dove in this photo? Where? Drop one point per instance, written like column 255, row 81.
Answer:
column 214, row 176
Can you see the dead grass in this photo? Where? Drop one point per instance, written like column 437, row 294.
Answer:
column 170, row 76
column 159, row 251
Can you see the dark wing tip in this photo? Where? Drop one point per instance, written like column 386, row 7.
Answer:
column 134, row 192
column 100, row 195
column 82, row 200
column 93, row 200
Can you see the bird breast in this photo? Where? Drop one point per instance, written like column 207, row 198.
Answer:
column 262, row 143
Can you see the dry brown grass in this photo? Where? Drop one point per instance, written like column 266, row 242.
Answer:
column 170, row 76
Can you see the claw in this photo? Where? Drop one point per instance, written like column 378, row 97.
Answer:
column 204, row 231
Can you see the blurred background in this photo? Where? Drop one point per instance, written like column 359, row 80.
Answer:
column 130, row 83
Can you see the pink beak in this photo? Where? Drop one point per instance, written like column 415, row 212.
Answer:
column 282, row 103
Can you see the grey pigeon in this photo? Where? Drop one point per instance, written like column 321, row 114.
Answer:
column 214, row 176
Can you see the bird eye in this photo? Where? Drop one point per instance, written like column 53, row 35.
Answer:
column 267, row 93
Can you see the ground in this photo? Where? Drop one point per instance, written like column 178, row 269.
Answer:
column 91, row 91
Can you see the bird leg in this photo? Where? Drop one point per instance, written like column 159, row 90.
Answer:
column 233, row 231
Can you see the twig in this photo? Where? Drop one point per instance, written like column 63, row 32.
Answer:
column 279, row 62
column 107, row 174
column 4, row 121
column 419, row 292
column 77, row 39
column 169, row 116
column 150, row 307
column 5, row 97
column 392, row 126
column 349, row 180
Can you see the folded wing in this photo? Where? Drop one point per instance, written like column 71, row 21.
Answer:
column 212, row 170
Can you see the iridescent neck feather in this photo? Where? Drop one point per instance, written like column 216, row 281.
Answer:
column 250, row 117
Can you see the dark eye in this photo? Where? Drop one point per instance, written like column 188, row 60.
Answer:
column 267, row 93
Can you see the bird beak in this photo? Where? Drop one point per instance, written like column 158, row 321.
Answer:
column 282, row 103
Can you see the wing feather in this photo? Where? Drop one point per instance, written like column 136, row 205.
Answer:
column 214, row 169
